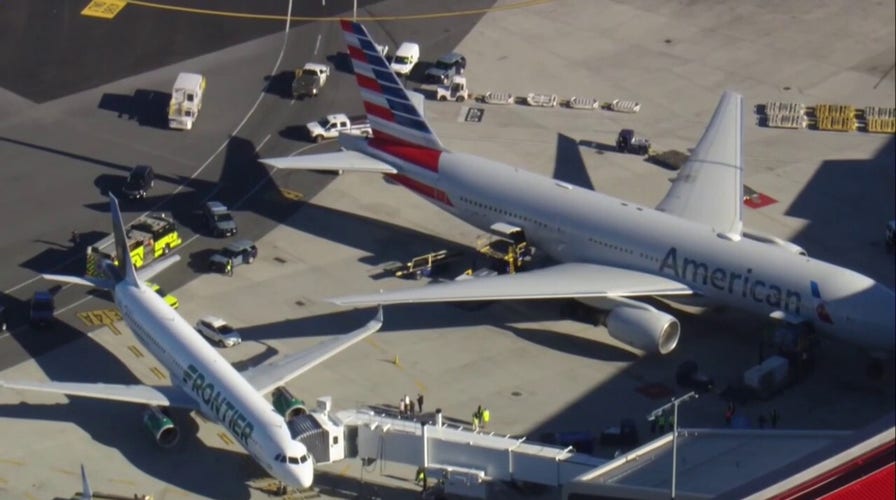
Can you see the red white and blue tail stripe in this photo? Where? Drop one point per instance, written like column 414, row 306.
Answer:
column 392, row 115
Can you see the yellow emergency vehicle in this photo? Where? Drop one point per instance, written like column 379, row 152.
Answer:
column 148, row 238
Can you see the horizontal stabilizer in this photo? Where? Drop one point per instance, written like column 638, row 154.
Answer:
column 147, row 273
column 561, row 281
column 100, row 283
column 348, row 161
column 270, row 375
column 140, row 394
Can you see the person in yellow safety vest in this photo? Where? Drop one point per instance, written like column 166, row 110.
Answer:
column 229, row 269
column 486, row 415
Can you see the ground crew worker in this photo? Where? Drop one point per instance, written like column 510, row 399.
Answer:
column 401, row 407
column 670, row 421
column 661, row 422
column 420, row 402
column 229, row 268
column 486, row 416
column 411, row 407
column 420, row 477
column 475, row 421
column 76, row 238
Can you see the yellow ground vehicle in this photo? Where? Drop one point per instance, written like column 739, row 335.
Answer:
column 149, row 237
column 171, row 300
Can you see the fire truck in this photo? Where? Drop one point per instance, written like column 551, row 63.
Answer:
column 149, row 237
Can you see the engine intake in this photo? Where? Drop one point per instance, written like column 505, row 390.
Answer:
column 286, row 404
column 645, row 329
column 161, row 427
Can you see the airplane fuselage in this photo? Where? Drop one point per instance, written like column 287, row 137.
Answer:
column 572, row 224
column 218, row 389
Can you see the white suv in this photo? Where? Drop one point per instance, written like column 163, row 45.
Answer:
column 217, row 330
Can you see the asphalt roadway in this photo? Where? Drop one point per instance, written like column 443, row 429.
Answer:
column 537, row 370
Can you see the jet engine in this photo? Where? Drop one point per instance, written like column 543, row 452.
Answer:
column 287, row 405
column 646, row 329
column 778, row 242
column 161, row 427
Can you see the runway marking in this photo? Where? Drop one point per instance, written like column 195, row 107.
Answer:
column 290, row 194
column 101, row 317
column 158, row 373
column 137, row 352
column 104, row 9
column 64, row 471
column 10, row 461
column 225, row 438
column 521, row 4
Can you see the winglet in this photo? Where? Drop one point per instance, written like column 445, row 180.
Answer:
column 86, row 492
column 125, row 266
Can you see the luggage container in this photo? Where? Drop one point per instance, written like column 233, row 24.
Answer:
column 583, row 103
column 623, row 106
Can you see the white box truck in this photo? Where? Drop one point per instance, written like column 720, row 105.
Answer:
column 186, row 100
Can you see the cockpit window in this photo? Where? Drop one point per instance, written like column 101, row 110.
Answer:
column 280, row 458
column 304, row 458
column 293, row 460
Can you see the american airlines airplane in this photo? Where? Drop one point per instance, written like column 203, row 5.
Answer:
column 692, row 247
column 203, row 380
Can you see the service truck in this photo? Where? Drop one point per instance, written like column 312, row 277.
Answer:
column 148, row 237
column 309, row 79
column 186, row 100
column 455, row 90
column 330, row 126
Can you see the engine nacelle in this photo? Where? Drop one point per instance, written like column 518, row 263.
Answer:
column 778, row 242
column 161, row 427
column 286, row 404
column 645, row 329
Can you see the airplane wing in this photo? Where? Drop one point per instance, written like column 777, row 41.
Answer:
column 141, row 394
column 267, row 376
column 154, row 268
column 561, row 281
column 348, row 161
column 709, row 187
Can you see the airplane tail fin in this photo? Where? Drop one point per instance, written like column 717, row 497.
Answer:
column 122, row 271
column 125, row 267
column 86, row 492
column 394, row 116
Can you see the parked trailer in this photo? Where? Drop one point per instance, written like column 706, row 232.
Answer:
column 498, row 98
column 623, row 106
column 784, row 108
column 786, row 120
column 583, row 103
column 542, row 100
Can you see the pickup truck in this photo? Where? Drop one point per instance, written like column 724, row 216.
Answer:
column 309, row 80
column 330, row 126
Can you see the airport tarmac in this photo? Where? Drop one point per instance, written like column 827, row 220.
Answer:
column 535, row 369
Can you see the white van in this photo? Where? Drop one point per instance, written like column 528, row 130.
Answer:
column 405, row 58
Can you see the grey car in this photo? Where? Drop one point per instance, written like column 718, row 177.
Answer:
column 237, row 253
column 219, row 219
column 446, row 67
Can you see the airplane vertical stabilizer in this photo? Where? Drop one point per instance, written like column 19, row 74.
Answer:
column 86, row 492
column 125, row 266
column 394, row 116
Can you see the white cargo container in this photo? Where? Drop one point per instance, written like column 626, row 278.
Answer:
column 768, row 376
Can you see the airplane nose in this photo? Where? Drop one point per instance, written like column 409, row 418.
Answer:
column 306, row 476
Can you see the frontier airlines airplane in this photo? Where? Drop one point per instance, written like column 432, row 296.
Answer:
column 203, row 380
column 692, row 247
